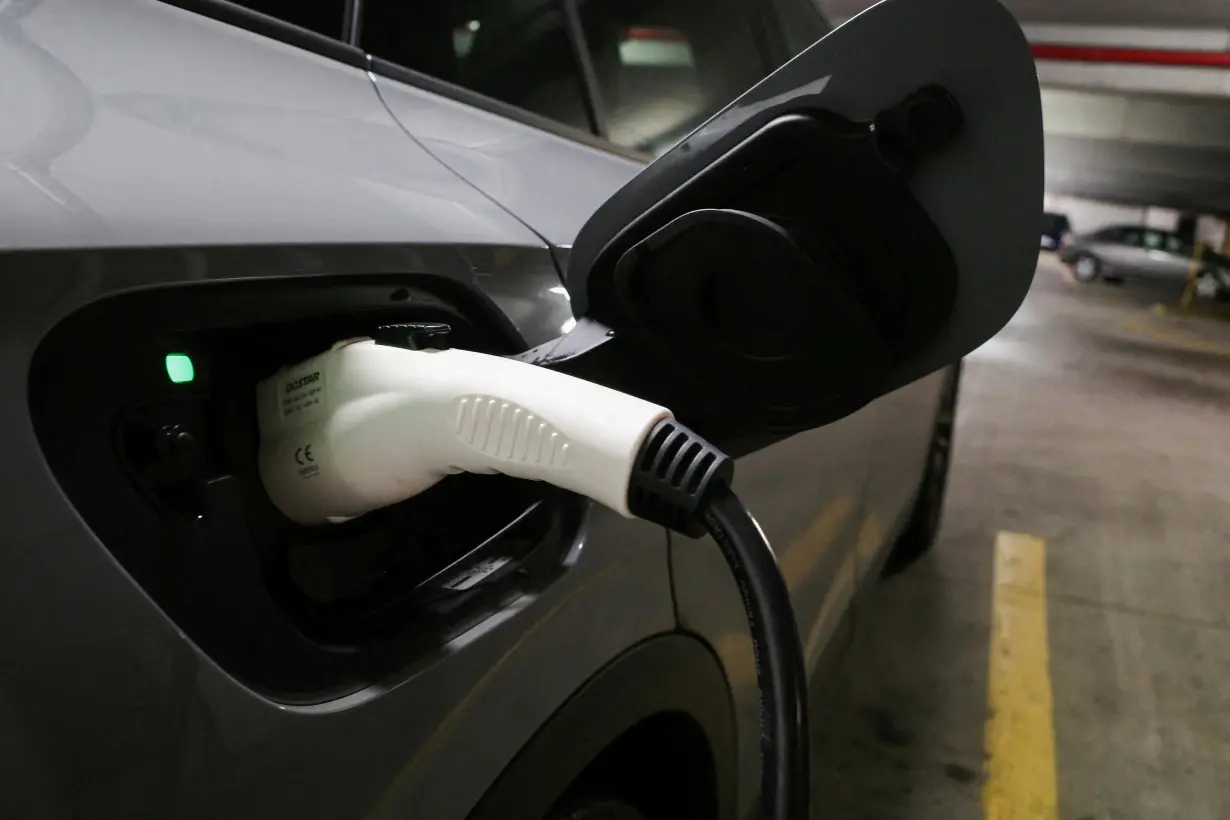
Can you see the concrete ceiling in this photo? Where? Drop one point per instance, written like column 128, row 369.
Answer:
column 1185, row 13
column 1120, row 141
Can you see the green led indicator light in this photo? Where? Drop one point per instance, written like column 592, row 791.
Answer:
column 179, row 368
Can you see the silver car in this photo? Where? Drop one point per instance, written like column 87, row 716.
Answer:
column 1121, row 252
column 193, row 192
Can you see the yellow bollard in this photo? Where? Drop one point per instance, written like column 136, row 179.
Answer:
column 1189, row 292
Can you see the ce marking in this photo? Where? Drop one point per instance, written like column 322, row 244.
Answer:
column 303, row 456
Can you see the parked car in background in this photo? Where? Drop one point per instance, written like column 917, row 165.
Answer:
column 1056, row 230
column 1121, row 252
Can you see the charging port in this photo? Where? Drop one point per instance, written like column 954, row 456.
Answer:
column 159, row 458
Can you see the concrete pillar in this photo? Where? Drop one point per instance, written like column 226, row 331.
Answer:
column 1211, row 231
column 1186, row 227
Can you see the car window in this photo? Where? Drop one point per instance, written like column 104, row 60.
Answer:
column 1174, row 244
column 801, row 23
column 1154, row 240
column 321, row 16
column 1130, row 236
column 516, row 52
column 665, row 66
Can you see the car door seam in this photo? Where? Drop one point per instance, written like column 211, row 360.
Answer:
column 380, row 96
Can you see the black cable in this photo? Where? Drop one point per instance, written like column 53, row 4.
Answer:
column 682, row 482
column 780, row 672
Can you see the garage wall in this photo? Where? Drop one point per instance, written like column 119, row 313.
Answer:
column 1212, row 231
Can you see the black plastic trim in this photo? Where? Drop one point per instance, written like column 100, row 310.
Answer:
column 272, row 27
column 352, row 22
column 595, row 107
column 674, row 673
column 426, row 82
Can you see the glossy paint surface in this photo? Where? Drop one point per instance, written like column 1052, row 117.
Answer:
column 552, row 183
column 137, row 124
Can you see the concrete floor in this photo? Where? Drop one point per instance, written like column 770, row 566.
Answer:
column 1102, row 427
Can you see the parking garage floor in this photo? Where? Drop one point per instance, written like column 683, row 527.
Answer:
column 1089, row 677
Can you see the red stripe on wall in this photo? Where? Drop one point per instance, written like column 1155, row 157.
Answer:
column 1138, row 56
column 662, row 34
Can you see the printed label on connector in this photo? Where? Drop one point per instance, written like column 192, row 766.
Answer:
column 302, row 394
column 306, row 461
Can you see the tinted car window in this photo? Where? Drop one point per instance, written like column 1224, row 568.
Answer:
column 321, row 16
column 665, row 66
column 1154, row 240
column 515, row 52
column 1055, row 223
column 801, row 23
column 1130, row 236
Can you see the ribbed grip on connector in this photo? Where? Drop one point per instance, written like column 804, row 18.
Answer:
column 673, row 474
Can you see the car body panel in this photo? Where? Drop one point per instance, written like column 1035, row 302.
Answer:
column 109, row 710
column 120, row 715
column 168, row 144
column 903, row 424
column 143, row 125
column 1138, row 251
column 1166, row 254
column 550, row 182
column 1115, row 250
column 1168, row 265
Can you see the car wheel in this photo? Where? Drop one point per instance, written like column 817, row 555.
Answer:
column 1086, row 268
column 924, row 524
column 1210, row 286
column 595, row 808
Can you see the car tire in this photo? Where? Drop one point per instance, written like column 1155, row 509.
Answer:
column 924, row 523
column 1209, row 285
column 597, row 807
column 1086, row 268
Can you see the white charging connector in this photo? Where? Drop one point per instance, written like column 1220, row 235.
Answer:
column 365, row 425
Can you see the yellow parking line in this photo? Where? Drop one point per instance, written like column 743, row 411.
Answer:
column 1177, row 340
column 1020, row 736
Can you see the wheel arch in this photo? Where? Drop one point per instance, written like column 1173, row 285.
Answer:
column 665, row 693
